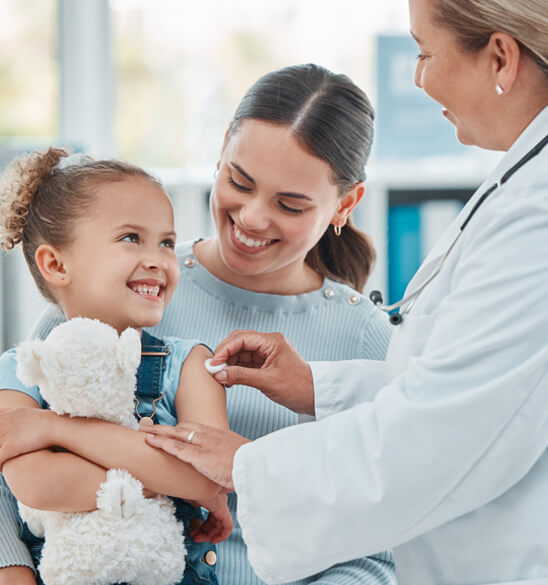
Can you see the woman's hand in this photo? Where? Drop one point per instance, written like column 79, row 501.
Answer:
column 267, row 361
column 23, row 430
column 210, row 451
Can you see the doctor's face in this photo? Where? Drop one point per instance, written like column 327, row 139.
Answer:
column 458, row 80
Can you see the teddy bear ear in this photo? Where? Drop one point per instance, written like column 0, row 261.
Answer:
column 129, row 349
column 29, row 356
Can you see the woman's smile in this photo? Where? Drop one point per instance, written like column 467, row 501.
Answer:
column 247, row 242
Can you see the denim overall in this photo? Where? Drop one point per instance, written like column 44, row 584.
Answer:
column 149, row 388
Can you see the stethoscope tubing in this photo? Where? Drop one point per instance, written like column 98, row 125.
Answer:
column 409, row 300
column 416, row 293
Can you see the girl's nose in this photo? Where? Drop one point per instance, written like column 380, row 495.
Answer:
column 155, row 261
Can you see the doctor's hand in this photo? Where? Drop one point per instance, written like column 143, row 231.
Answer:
column 208, row 449
column 267, row 361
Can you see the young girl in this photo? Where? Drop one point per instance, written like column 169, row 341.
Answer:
column 98, row 238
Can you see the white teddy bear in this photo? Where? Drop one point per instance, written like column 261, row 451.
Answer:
column 85, row 369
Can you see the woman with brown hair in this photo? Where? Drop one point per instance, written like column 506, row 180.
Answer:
column 285, row 257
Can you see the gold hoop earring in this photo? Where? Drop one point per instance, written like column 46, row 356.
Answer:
column 337, row 229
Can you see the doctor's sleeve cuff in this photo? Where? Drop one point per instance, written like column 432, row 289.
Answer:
column 343, row 384
column 13, row 551
column 255, row 552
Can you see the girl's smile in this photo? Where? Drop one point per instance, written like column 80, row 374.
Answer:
column 149, row 289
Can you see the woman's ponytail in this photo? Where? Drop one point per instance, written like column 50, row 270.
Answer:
column 348, row 258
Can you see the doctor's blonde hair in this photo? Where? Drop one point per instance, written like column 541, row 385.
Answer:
column 39, row 202
column 473, row 22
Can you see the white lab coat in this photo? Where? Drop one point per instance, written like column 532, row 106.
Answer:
column 442, row 455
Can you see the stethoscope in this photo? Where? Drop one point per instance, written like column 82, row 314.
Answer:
column 409, row 300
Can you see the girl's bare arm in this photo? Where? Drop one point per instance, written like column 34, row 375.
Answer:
column 42, row 478
column 107, row 445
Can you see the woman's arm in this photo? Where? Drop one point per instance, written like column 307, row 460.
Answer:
column 17, row 576
column 109, row 445
column 267, row 361
column 15, row 560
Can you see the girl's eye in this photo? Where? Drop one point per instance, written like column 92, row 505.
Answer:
column 168, row 243
column 289, row 209
column 421, row 57
column 133, row 238
column 238, row 186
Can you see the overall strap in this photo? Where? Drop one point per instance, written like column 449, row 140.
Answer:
column 149, row 375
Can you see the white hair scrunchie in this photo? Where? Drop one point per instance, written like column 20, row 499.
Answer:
column 76, row 159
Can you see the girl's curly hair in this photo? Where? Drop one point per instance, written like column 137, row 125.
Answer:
column 18, row 184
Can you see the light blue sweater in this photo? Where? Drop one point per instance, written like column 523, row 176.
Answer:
column 332, row 323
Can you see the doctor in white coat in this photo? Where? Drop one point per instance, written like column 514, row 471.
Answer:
column 439, row 453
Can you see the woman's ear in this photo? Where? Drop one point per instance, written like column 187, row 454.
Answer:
column 347, row 203
column 51, row 265
column 505, row 56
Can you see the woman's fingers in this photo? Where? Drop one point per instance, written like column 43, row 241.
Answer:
column 246, row 375
column 175, row 441
column 242, row 346
column 267, row 361
column 180, row 431
column 167, row 444
column 209, row 450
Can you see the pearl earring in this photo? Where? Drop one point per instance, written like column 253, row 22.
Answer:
column 499, row 89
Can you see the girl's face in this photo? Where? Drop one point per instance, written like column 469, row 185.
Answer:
column 121, row 268
column 462, row 82
column 271, row 203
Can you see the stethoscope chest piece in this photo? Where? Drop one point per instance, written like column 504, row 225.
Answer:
column 376, row 298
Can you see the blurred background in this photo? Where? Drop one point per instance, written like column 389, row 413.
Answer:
column 156, row 83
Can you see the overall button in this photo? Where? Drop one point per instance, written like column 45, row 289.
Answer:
column 329, row 293
column 210, row 558
column 353, row 299
column 188, row 262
